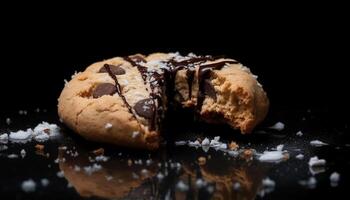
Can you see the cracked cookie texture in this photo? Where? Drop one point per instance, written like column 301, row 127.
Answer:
column 123, row 100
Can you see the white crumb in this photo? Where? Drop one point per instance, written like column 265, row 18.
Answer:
column 76, row 168
column 205, row 142
column 21, row 136
column 108, row 126
column 299, row 133
column 23, row 153
column 194, row 144
column 272, row 156
column 52, row 130
column 317, row 143
column 8, row 121
column 4, row 138
column 310, row 183
column 28, row 185
column 12, row 156
column 315, row 162
column 101, row 158
column 44, row 182
column 182, row 186
column 200, row 183
column 267, row 182
column 91, row 169
column 278, row 126
column 299, row 156
column 334, row 178
column 160, row 176
column 179, row 143
column 279, row 147
column 135, row 134
column 109, row 178
column 60, row 174
column 236, row 186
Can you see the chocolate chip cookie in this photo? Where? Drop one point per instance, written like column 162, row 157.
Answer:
column 123, row 100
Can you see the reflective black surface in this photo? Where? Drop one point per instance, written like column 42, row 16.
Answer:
column 121, row 178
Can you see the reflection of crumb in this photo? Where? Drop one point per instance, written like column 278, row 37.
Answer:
column 247, row 154
column 202, row 160
column 233, row 146
column 99, row 151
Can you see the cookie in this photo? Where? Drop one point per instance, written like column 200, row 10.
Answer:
column 123, row 100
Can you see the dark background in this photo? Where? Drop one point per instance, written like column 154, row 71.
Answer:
column 299, row 52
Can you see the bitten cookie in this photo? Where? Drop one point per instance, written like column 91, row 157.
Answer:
column 123, row 100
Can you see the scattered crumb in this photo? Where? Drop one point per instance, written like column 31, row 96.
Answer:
column 99, row 151
column 109, row 178
column 315, row 162
column 108, row 126
column 202, row 160
column 21, row 136
column 299, row 133
column 299, row 156
column 39, row 147
column 12, row 156
column 101, row 158
column 8, row 121
column 236, row 186
column 272, row 156
column 182, row 186
column 44, row 182
column 77, row 168
column 135, row 134
column 334, row 178
column 317, row 143
column 233, row 146
column 279, row 147
column 144, row 172
column 60, row 174
column 160, row 176
column 129, row 162
column 200, row 183
column 4, row 138
column 247, row 154
column 28, row 185
column 179, row 143
column 205, row 142
column 91, row 169
column 310, row 183
column 23, row 153
column 278, row 126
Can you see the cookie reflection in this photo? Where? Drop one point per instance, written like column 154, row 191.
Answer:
column 120, row 178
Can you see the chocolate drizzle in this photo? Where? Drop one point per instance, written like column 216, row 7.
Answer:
column 117, row 85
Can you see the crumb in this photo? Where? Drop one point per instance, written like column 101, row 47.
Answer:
column 317, row 143
column 129, row 162
column 8, row 121
column 279, row 126
column 334, row 178
column 202, row 160
column 160, row 176
column 44, row 182
column 39, row 147
column 299, row 133
column 233, row 146
column 60, row 174
column 4, row 138
column 135, row 134
column 315, row 162
column 247, row 154
column 23, row 153
column 28, row 185
column 11, row 156
column 99, row 151
column 205, row 142
column 108, row 126
column 182, row 186
column 299, row 156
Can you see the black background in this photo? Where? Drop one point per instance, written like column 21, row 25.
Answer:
column 299, row 53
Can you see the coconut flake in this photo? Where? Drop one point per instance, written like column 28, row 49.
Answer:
column 299, row 156
column 182, row 186
column 278, row 126
column 299, row 133
column 44, row 182
column 315, row 162
column 21, row 136
column 28, row 185
column 108, row 126
column 4, row 138
column 317, row 143
column 272, row 156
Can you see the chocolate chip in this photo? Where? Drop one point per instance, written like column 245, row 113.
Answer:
column 209, row 89
column 116, row 69
column 145, row 108
column 104, row 89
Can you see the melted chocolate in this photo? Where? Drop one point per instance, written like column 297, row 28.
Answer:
column 204, row 72
column 118, row 88
column 116, row 69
